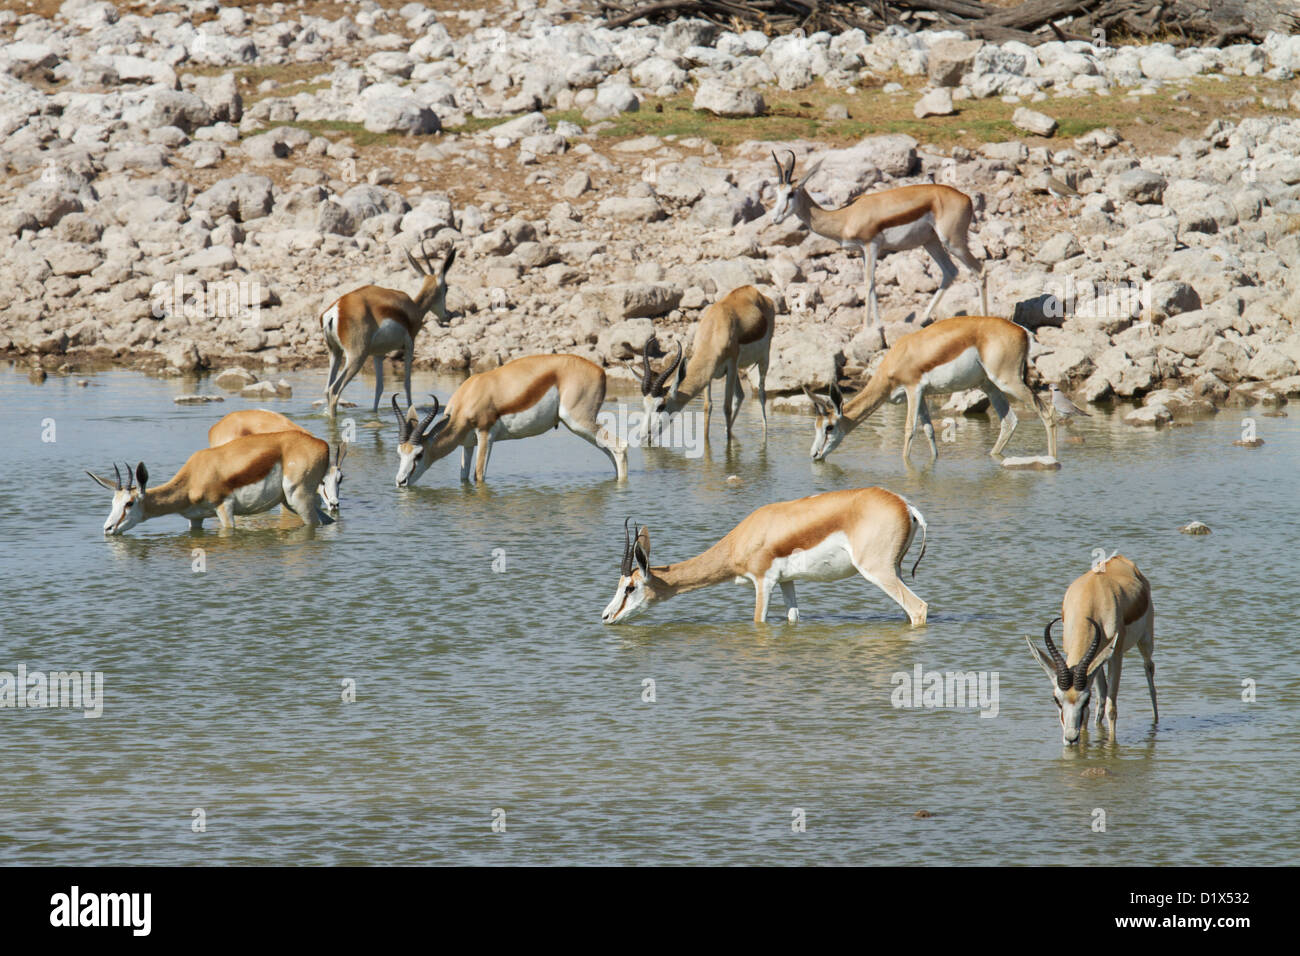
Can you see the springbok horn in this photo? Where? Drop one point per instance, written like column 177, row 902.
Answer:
column 130, row 476
column 403, row 426
column 658, row 388
column 427, row 420
column 648, row 377
column 780, row 171
column 789, row 168
column 1081, row 669
column 119, row 475
column 1062, row 672
column 428, row 261
column 627, row 549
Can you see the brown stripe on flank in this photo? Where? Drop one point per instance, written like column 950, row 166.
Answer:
column 1139, row 607
column 755, row 332
column 253, row 468
column 820, row 516
column 949, row 338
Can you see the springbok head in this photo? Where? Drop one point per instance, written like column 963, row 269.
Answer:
column 333, row 480
column 1071, row 686
column 654, row 387
column 128, row 501
column 790, row 194
column 633, row 592
column 828, row 431
column 432, row 296
column 414, row 436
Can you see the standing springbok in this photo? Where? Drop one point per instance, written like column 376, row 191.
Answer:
column 967, row 351
column 522, row 398
column 261, row 421
column 733, row 334
column 373, row 321
column 824, row 537
column 929, row 215
column 246, row 476
column 1110, row 606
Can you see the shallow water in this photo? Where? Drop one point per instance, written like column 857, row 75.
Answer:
column 480, row 690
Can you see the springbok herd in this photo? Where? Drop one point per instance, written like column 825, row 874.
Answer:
column 256, row 459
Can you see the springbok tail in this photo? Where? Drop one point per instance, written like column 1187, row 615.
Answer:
column 919, row 519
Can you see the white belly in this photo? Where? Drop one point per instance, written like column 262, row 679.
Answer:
column 965, row 371
column 910, row 235
column 260, row 495
column 830, row 560
column 531, row 421
column 390, row 336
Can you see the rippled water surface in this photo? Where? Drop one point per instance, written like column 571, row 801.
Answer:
column 481, row 690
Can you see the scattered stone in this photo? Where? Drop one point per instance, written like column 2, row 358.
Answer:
column 1031, row 121
column 722, row 100
column 1196, row 527
column 235, row 379
column 935, row 103
column 1032, row 463
column 197, row 399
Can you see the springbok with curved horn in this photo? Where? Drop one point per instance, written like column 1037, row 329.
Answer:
column 824, row 537
column 929, row 215
column 524, row 397
column 245, row 476
column 1105, row 612
column 733, row 333
column 372, row 321
column 967, row 351
column 261, row 421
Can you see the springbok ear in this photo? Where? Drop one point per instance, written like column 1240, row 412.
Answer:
column 141, row 476
column 1044, row 661
column 810, row 174
column 103, row 481
column 341, row 453
column 837, row 398
column 818, row 405
column 681, row 376
column 414, row 265
column 413, row 415
column 1102, row 657
column 446, row 263
column 641, row 549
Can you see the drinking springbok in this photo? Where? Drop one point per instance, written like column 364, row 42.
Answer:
column 372, row 321
column 522, row 398
column 823, row 537
column 967, row 351
column 245, row 476
column 929, row 215
column 733, row 333
column 1105, row 612
column 261, row 421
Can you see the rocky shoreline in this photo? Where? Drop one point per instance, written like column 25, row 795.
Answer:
column 150, row 217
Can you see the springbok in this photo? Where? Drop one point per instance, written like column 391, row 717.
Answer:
column 929, row 215
column 824, row 537
column 246, row 476
column 1105, row 612
column 967, row 351
column 373, row 321
column 261, row 421
column 733, row 334
column 522, row 398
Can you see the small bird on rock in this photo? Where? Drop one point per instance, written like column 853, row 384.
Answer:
column 1063, row 407
column 1062, row 191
